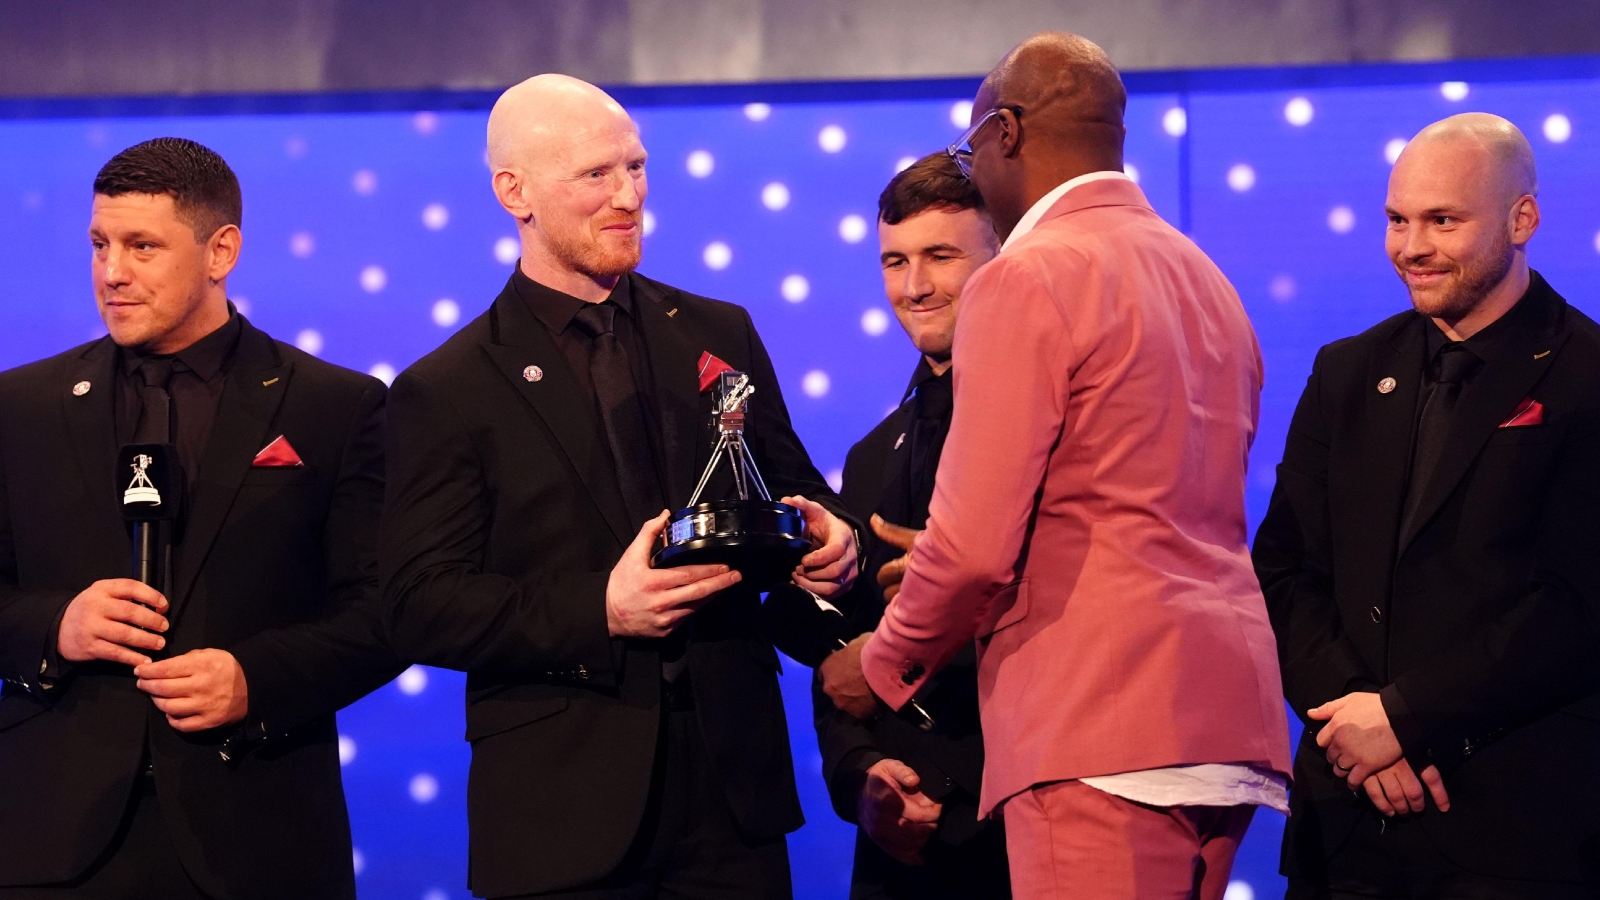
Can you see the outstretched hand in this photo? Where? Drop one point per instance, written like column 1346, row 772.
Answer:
column 830, row 569
column 891, row 573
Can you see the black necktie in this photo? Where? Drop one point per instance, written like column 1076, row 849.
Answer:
column 155, row 413
column 621, row 412
column 930, row 416
column 1455, row 364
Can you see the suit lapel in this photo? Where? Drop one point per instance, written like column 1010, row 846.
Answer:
column 1385, row 447
column 682, row 411
column 517, row 342
column 91, row 423
column 257, row 381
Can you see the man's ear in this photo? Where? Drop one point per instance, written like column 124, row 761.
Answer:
column 222, row 251
column 1524, row 219
column 508, row 189
column 1010, row 133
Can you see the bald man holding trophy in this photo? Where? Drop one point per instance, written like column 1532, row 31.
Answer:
column 627, row 731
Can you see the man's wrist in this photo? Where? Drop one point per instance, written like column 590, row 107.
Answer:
column 1407, row 730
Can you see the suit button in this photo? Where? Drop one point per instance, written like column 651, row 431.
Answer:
column 1377, row 615
column 912, row 674
column 583, row 674
column 1468, row 749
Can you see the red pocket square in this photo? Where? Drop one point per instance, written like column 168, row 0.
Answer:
column 277, row 453
column 710, row 368
column 1528, row 412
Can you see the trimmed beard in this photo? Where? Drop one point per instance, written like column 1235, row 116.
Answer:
column 591, row 259
column 1472, row 285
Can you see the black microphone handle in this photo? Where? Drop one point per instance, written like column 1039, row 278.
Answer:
column 924, row 721
column 147, row 552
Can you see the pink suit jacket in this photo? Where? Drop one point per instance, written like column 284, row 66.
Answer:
column 1088, row 523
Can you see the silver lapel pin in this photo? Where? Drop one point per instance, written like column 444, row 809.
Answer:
column 81, row 388
column 533, row 373
column 1386, row 385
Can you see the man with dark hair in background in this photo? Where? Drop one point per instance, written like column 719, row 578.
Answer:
column 178, row 740
column 914, row 793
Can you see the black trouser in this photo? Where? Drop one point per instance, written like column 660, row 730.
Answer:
column 688, row 845
column 1398, row 860
column 974, row 870
column 140, row 863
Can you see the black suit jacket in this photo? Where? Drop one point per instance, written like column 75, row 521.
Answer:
column 276, row 566
column 950, row 758
column 502, row 524
column 1481, row 625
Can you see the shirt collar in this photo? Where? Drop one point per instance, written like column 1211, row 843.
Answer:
column 556, row 309
column 1031, row 218
column 1490, row 341
column 205, row 357
column 922, row 375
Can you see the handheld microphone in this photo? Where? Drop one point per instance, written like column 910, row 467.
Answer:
column 150, row 481
column 809, row 629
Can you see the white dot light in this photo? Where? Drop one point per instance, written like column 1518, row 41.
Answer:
column 446, row 312
column 412, row 681
column 795, row 288
column 757, row 112
column 1283, row 288
column 347, row 750
column 1241, row 178
column 775, row 196
column 831, row 138
column 852, row 228
column 383, row 372
column 816, row 383
column 425, row 122
column 302, row 244
column 242, row 304
column 309, row 340
column 296, row 147
column 506, row 250
column 961, row 114
column 1239, row 890
column 875, row 321
column 700, row 164
column 1341, row 219
column 423, row 787
column 1557, row 128
column 835, row 479
column 365, row 182
column 1454, row 91
column 1393, row 149
column 717, row 255
column 1597, row 242
column 435, row 216
column 373, row 279
column 1175, row 121
column 1132, row 171
column 649, row 223
column 1298, row 112
column 358, row 862
column 436, row 894
column 904, row 163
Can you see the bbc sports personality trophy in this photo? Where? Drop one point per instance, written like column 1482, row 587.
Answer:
column 761, row 538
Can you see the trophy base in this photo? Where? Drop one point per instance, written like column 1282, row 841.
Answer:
column 761, row 539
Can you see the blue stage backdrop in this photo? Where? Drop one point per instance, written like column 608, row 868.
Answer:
column 371, row 236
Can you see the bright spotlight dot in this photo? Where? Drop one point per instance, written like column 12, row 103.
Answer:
column 425, row 122
column 717, row 255
column 835, row 478
column 296, row 147
column 309, row 340
column 347, row 750
column 506, row 250
column 904, row 163
column 875, row 321
column 831, row 138
column 436, row 894
column 775, row 196
column 435, row 216
column 757, row 112
column 1239, row 890
column 365, row 182
column 423, row 787
column 446, row 312
column 302, row 244
column 700, row 164
column 648, row 221
column 242, row 304
column 1597, row 242
column 1393, row 149
column 1341, row 219
column 1557, row 128
column 357, row 861
column 1283, row 288
column 413, row 681
column 1298, row 112
column 1241, row 178
column 852, row 228
column 815, row 383
column 383, row 372
column 1454, row 91
column 1132, row 171
column 961, row 114
column 1175, row 121
column 795, row 288
column 373, row 279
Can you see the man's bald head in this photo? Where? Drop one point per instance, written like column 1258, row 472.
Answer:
column 1492, row 144
column 569, row 166
column 1061, row 103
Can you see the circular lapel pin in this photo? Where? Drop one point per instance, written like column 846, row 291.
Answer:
column 81, row 388
column 1386, row 385
column 533, row 373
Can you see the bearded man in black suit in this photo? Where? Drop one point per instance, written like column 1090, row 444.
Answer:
column 628, row 737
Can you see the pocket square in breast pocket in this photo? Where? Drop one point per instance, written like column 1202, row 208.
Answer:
column 1528, row 412
column 278, row 453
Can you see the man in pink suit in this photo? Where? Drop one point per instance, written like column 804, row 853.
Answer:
column 1088, row 523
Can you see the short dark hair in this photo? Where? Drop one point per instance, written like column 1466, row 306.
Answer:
column 932, row 182
column 203, row 188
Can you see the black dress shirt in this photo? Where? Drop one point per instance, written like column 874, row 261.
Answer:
column 199, row 372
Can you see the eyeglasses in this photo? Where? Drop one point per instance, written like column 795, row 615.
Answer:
column 961, row 150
